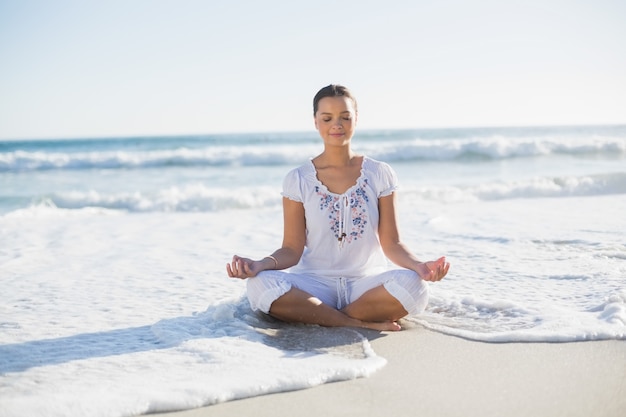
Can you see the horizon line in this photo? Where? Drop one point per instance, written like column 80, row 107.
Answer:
column 299, row 132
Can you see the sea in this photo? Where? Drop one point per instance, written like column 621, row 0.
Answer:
column 115, row 299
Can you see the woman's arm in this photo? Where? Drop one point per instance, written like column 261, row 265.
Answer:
column 397, row 252
column 294, row 234
column 294, row 238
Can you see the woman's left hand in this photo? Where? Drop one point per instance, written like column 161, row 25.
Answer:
column 243, row 267
column 433, row 270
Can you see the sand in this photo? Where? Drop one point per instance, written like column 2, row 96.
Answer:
column 431, row 374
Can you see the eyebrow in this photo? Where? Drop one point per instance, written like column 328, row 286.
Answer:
column 345, row 111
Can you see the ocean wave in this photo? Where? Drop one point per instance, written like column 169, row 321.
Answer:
column 539, row 187
column 192, row 198
column 202, row 198
column 497, row 148
column 217, row 156
column 458, row 150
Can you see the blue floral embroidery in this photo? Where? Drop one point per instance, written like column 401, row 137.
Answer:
column 326, row 200
column 361, row 191
column 358, row 199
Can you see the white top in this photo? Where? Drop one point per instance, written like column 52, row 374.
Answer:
column 341, row 229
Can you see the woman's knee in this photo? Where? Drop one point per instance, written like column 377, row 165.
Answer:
column 410, row 290
column 377, row 304
column 264, row 289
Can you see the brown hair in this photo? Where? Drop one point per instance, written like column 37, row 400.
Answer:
column 332, row 90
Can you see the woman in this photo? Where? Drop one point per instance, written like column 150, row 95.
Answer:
column 339, row 225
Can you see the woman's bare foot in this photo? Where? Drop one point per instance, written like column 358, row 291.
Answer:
column 385, row 326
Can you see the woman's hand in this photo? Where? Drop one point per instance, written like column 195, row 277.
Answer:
column 433, row 270
column 243, row 268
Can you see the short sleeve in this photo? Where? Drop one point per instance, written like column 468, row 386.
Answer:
column 291, row 186
column 387, row 180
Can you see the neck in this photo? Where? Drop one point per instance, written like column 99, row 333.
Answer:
column 341, row 156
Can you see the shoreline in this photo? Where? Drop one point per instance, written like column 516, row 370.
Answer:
column 433, row 374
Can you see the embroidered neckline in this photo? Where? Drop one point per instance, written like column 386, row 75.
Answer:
column 354, row 186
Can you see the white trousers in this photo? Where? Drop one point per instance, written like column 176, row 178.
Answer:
column 403, row 284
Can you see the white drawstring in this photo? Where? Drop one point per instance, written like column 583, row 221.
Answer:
column 342, row 293
column 345, row 218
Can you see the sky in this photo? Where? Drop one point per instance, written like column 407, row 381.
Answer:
column 88, row 68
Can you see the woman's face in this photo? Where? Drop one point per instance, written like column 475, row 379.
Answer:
column 336, row 119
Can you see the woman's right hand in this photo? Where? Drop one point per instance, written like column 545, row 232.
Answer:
column 243, row 267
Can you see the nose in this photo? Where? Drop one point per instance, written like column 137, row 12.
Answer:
column 339, row 124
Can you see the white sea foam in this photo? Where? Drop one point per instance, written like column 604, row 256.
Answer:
column 544, row 270
column 218, row 355
column 121, row 300
column 501, row 321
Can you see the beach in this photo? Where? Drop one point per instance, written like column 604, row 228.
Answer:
column 116, row 302
column 148, row 149
column 432, row 374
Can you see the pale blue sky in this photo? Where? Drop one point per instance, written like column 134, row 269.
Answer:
column 156, row 67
